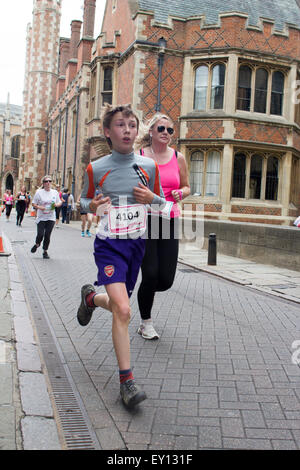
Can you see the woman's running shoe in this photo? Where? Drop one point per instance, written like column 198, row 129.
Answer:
column 147, row 331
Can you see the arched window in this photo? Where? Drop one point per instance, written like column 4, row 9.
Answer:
column 261, row 91
column 277, row 93
column 255, row 177
column 239, row 175
column 244, row 88
column 201, row 84
column 196, row 173
column 217, row 87
column 272, row 179
column 212, row 173
column 15, row 146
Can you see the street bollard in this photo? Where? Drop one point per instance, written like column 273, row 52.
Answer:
column 212, row 250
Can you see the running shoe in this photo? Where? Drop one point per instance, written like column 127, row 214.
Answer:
column 45, row 255
column 84, row 313
column 82, row 234
column 88, row 233
column 34, row 248
column 147, row 331
column 131, row 393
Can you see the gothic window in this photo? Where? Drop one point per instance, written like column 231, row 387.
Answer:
column 15, row 146
column 271, row 191
column 277, row 93
column 239, row 175
column 217, row 87
column 244, row 88
column 205, row 173
column 107, row 87
column 196, row 173
column 209, row 87
column 255, row 176
column 260, row 90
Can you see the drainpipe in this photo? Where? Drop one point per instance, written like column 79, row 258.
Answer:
column 50, row 147
column 58, row 145
column 65, row 146
column 46, row 147
column 160, row 62
column 76, row 138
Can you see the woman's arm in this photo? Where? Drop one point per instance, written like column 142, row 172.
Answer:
column 184, row 190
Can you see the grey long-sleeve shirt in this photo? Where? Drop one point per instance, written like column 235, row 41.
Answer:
column 115, row 176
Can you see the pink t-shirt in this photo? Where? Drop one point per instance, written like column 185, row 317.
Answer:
column 170, row 180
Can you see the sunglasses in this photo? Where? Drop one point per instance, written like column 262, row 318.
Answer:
column 48, row 181
column 170, row 130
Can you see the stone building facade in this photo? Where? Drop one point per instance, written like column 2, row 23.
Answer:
column 227, row 76
column 10, row 143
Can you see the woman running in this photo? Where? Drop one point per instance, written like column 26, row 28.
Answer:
column 160, row 260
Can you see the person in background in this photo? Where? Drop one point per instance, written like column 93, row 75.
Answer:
column 86, row 220
column 28, row 200
column 161, row 255
column 21, row 201
column 8, row 200
column 64, row 207
column 58, row 209
column 44, row 202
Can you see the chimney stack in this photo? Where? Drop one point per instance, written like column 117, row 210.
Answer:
column 64, row 53
column 75, row 38
column 89, row 18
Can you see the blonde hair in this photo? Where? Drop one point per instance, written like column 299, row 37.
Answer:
column 144, row 137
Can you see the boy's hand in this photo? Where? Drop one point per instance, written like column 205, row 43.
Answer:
column 142, row 194
column 98, row 200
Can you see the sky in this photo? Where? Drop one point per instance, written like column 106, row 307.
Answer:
column 13, row 40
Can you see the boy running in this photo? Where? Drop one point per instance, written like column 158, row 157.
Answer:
column 119, row 245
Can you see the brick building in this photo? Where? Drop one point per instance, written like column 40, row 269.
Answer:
column 226, row 74
column 39, row 89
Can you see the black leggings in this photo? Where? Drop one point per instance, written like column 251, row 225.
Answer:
column 20, row 207
column 158, row 267
column 44, row 229
column 8, row 208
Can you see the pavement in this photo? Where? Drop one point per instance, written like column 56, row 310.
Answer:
column 223, row 375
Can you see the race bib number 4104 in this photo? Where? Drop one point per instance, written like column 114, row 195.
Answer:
column 127, row 219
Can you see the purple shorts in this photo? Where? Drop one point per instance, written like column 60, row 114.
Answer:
column 118, row 260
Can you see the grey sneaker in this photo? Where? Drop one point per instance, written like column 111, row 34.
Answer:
column 147, row 331
column 84, row 313
column 131, row 393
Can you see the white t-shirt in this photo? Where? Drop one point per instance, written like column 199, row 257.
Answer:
column 46, row 199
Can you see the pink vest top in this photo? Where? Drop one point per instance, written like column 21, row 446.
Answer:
column 170, row 179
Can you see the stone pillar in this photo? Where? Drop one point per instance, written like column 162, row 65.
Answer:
column 226, row 181
column 285, row 176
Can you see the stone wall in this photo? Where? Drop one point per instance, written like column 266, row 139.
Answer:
column 276, row 245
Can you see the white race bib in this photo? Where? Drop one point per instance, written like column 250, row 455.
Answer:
column 123, row 220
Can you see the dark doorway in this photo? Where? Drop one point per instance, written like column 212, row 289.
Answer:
column 9, row 183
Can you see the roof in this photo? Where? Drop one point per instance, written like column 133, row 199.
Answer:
column 15, row 111
column 280, row 11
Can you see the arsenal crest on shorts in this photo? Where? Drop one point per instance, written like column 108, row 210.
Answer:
column 109, row 270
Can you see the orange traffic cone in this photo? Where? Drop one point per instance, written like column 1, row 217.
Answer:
column 2, row 252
